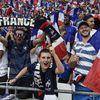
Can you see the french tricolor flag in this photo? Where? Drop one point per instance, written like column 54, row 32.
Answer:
column 53, row 20
column 55, row 38
column 92, row 80
column 54, row 17
column 57, row 17
column 60, row 48
column 61, row 18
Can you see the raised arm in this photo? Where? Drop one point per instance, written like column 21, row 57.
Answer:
column 4, row 41
column 60, row 67
column 39, row 40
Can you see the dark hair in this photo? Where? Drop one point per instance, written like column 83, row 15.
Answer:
column 19, row 28
column 83, row 23
column 87, row 17
column 45, row 50
column 68, row 16
column 26, row 30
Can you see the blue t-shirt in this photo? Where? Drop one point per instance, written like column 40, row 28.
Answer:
column 18, row 56
column 67, row 72
column 70, row 34
column 69, row 37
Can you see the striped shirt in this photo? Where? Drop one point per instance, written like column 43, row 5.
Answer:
column 87, row 55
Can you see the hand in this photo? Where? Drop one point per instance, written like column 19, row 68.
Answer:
column 52, row 50
column 73, row 61
column 12, row 81
column 74, row 58
column 48, row 45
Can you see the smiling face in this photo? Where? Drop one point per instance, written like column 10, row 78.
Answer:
column 84, row 30
column 45, row 60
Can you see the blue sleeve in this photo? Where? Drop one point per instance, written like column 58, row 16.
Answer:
column 52, row 67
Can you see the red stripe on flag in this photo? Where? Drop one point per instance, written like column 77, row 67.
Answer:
column 60, row 50
column 40, row 93
column 92, row 80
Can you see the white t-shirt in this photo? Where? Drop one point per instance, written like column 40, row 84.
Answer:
column 3, row 61
column 34, row 56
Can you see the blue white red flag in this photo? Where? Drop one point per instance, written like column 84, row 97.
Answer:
column 92, row 80
column 60, row 18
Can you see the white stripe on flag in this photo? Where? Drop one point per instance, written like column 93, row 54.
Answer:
column 56, row 27
column 57, row 42
column 52, row 18
column 68, row 47
column 98, row 55
column 61, row 17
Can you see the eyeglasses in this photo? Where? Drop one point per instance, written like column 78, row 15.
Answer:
column 19, row 34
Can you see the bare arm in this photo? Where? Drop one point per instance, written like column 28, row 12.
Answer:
column 60, row 67
column 62, row 30
column 4, row 41
column 39, row 40
column 73, row 61
column 9, row 34
column 20, row 74
column 1, row 53
column 33, row 50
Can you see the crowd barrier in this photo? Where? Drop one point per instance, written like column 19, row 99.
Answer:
column 65, row 91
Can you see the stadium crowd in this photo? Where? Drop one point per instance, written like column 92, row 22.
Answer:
column 61, row 47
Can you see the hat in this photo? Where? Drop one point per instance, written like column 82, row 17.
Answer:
column 83, row 23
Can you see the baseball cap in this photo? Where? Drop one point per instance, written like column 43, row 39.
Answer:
column 83, row 23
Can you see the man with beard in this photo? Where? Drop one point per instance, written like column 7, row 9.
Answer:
column 82, row 58
column 95, row 34
column 18, row 57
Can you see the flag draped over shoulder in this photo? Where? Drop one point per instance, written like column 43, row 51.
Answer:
column 92, row 80
column 95, row 40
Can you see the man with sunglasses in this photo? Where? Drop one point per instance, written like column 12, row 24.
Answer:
column 19, row 57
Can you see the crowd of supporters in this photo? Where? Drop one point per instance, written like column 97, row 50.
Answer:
column 21, row 46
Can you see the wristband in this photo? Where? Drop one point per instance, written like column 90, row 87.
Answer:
column 15, row 78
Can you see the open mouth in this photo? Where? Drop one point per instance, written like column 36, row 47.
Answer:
column 19, row 39
column 45, row 64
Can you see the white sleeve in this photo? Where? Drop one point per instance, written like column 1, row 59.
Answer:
column 2, row 47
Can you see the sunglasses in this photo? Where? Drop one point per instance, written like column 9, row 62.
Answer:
column 19, row 34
